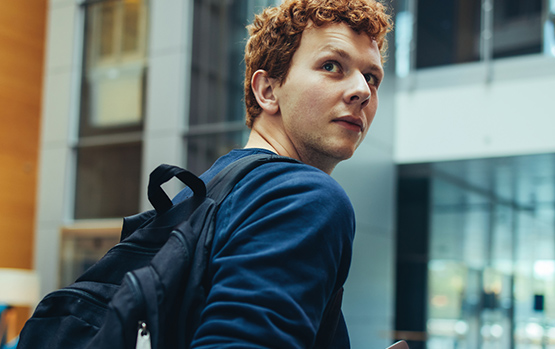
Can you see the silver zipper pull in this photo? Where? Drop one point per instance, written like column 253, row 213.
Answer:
column 143, row 337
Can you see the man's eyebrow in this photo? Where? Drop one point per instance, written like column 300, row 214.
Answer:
column 334, row 49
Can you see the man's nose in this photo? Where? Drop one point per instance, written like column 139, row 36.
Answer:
column 359, row 90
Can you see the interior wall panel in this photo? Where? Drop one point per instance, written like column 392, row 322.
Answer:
column 22, row 32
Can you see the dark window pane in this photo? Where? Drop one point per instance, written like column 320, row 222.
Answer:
column 448, row 32
column 517, row 27
column 108, row 181
column 217, row 110
column 202, row 151
column 217, row 61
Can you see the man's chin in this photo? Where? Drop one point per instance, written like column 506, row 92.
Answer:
column 345, row 153
column 341, row 156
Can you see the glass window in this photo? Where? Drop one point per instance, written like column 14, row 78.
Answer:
column 517, row 27
column 460, row 31
column 217, row 69
column 203, row 150
column 491, row 260
column 448, row 32
column 109, row 148
column 404, row 28
column 115, row 67
column 82, row 247
column 108, row 180
column 217, row 111
column 549, row 30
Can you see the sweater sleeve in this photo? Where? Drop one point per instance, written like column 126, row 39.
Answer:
column 282, row 248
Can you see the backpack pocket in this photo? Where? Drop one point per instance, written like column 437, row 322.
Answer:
column 126, row 324
column 144, row 312
column 67, row 318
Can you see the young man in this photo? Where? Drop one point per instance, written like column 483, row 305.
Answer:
column 282, row 248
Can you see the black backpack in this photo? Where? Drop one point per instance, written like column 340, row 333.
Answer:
column 149, row 290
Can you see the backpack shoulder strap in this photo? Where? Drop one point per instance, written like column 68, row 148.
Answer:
column 224, row 182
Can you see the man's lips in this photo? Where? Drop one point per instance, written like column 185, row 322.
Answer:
column 351, row 123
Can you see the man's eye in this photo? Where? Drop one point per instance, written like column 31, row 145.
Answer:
column 370, row 79
column 331, row 67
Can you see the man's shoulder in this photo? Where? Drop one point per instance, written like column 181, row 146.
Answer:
column 294, row 180
column 276, row 178
column 291, row 173
column 289, row 195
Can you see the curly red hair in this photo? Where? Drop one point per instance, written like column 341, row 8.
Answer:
column 275, row 35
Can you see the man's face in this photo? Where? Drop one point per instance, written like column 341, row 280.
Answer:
column 329, row 98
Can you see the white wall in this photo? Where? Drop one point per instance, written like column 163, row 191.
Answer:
column 454, row 113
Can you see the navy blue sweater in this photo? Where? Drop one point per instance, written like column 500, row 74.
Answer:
column 282, row 248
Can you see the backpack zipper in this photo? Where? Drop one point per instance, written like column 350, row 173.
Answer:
column 133, row 247
column 143, row 337
column 77, row 292
column 143, row 334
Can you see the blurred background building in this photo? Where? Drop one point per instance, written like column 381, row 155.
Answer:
column 454, row 187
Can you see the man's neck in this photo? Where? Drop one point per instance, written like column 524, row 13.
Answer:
column 258, row 138
column 265, row 135
column 257, row 141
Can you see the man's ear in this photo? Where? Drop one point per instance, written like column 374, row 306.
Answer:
column 262, row 88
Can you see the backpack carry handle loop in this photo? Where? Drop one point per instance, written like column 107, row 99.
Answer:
column 163, row 173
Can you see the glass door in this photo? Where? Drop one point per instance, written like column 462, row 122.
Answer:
column 491, row 266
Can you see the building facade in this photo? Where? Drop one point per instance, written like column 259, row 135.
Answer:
column 473, row 144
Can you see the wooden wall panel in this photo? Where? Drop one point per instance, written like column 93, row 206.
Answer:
column 22, row 43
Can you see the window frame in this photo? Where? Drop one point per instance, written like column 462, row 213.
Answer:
column 484, row 70
column 113, row 65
